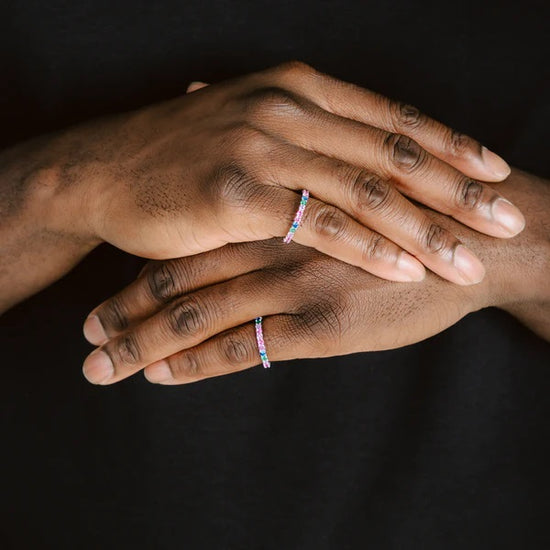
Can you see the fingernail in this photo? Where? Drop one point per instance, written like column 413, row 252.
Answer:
column 94, row 331
column 410, row 268
column 196, row 85
column 497, row 165
column 508, row 216
column 158, row 373
column 98, row 367
column 468, row 266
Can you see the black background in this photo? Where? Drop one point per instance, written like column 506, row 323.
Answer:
column 438, row 445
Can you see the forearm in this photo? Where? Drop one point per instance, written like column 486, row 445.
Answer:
column 43, row 231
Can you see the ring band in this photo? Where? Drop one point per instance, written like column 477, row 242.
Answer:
column 261, row 343
column 298, row 217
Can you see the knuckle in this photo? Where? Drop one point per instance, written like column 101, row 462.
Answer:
column 185, row 365
column 406, row 117
column 404, row 152
column 242, row 136
column 248, row 143
column 125, row 350
column 233, row 185
column 272, row 100
column 460, row 144
column 236, row 351
column 294, row 67
column 371, row 191
column 320, row 315
column 436, row 240
column 322, row 323
column 114, row 315
column 187, row 319
column 375, row 248
column 469, row 194
column 329, row 222
column 162, row 281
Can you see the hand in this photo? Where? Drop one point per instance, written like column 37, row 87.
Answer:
column 224, row 164
column 188, row 319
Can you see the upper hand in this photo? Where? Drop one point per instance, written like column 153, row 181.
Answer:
column 225, row 164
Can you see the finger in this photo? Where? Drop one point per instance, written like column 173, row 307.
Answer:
column 417, row 173
column 376, row 203
column 235, row 350
column 195, row 85
column 161, row 282
column 269, row 213
column 183, row 324
column 353, row 102
column 265, row 210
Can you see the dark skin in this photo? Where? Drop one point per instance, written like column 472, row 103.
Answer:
column 189, row 319
column 227, row 163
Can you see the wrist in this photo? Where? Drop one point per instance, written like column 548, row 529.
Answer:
column 524, row 261
column 528, row 296
column 60, row 197
column 43, row 228
column 518, row 269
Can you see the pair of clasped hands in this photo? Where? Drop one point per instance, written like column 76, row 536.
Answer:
column 214, row 181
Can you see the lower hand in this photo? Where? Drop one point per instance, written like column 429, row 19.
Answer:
column 189, row 319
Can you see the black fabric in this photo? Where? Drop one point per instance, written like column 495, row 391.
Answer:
column 438, row 445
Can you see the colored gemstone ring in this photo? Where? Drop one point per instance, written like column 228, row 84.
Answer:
column 298, row 217
column 261, row 343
